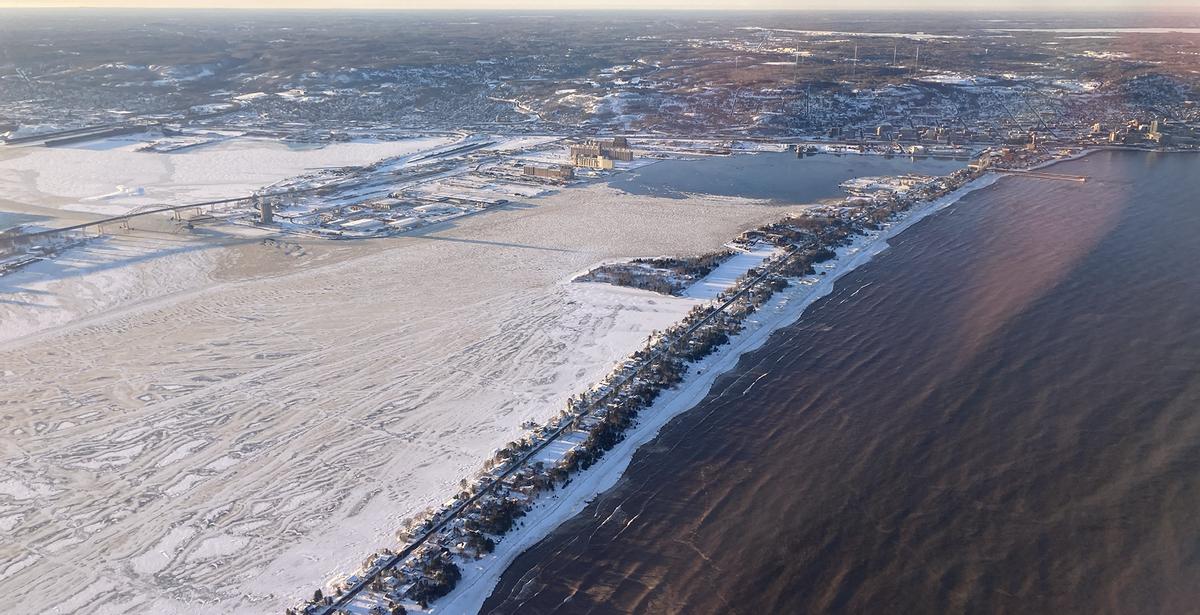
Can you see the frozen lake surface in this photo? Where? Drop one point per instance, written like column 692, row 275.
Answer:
column 227, row 430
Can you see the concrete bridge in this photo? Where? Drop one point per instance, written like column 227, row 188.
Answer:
column 17, row 243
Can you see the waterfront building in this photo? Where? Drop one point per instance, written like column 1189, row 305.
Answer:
column 592, row 162
column 615, row 149
column 562, row 171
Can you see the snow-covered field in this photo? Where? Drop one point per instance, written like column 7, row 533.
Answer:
column 956, row 79
column 1103, row 30
column 85, row 176
column 916, row 36
column 231, row 441
column 102, row 274
column 729, row 271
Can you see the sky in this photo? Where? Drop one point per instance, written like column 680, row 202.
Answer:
column 986, row 5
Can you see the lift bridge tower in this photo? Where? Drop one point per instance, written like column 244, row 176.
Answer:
column 266, row 208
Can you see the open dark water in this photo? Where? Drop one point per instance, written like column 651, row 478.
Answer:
column 1000, row 414
column 770, row 175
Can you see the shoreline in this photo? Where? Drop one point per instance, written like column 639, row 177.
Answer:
column 1085, row 152
column 571, row 336
column 480, row 577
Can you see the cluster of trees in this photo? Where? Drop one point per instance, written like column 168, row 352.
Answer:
column 478, row 542
column 689, row 267
column 664, row 275
column 634, row 276
column 392, row 608
column 512, row 450
column 439, row 575
column 494, row 515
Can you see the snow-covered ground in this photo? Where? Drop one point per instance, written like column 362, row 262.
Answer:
column 955, row 79
column 1103, row 30
column 232, row 441
column 916, row 36
column 508, row 144
column 104, row 273
column 729, row 271
column 85, row 176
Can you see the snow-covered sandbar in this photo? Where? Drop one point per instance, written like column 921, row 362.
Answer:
column 785, row 308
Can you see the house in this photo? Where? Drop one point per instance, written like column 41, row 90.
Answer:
column 405, row 224
column 364, row 224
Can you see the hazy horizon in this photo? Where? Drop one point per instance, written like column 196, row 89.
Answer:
column 624, row 5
